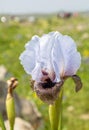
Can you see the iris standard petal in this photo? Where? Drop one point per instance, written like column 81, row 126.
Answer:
column 28, row 61
column 52, row 53
column 46, row 45
column 29, row 57
column 36, row 73
column 57, row 58
column 72, row 64
column 71, row 57
column 33, row 43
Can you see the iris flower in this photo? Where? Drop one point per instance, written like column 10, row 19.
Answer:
column 50, row 60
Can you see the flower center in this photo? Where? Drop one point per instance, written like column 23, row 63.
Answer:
column 48, row 83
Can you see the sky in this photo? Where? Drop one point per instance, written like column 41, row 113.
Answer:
column 42, row 6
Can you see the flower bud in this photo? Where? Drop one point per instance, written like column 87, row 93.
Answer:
column 10, row 104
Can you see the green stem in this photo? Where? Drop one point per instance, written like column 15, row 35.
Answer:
column 55, row 113
column 60, row 119
column 2, row 125
column 11, row 128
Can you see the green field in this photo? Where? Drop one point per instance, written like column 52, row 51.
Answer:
column 14, row 35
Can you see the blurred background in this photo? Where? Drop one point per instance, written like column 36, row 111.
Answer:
column 19, row 21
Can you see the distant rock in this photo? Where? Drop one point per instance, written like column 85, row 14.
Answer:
column 84, row 116
column 20, row 124
column 3, row 72
column 3, row 92
column 85, row 60
column 64, row 15
column 70, row 108
column 80, row 27
column 30, row 112
column 85, row 36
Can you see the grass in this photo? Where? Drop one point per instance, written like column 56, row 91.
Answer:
column 13, row 37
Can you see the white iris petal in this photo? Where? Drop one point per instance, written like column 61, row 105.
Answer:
column 30, row 55
column 54, row 53
column 46, row 45
column 57, row 58
column 36, row 73
column 71, row 57
column 27, row 61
